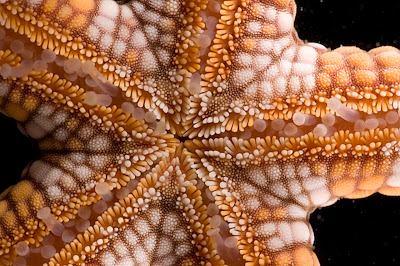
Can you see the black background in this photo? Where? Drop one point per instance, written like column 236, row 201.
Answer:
column 351, row 232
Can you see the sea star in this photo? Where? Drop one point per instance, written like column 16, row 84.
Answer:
column 186, row 132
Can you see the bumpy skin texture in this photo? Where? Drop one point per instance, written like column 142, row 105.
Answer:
column 186, row 132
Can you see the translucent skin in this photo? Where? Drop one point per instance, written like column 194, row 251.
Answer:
column 186, row 132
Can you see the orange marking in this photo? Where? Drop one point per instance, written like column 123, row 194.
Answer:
column 249, row 44
column 21, row 191
column 332, row 58
column 263, row 214
column 365, row 77
column 360, row 60
column 78, row 21
column 84, row 6
column 320, row 168
column 315, row 259
column 344, row 187
column 283, row 259
column 388, row 59
column 348, row 50
column 324, row 80
column 282, row 3
column 302, row 256
column 64, row 13
column 269, row 30
column 132, row 56
column 49, row 6
column 360, row 194
column 15, row 111
column 280, row 213
column 382, row 49
column 257, row 9
column 390, row 191
column 338, row 169
column 372, row 182
column 342, row 78
column 391, row 75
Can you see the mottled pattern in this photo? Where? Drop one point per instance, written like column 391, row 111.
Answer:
column 193, row 132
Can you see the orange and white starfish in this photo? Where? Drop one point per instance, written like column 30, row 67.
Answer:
column 188, row 132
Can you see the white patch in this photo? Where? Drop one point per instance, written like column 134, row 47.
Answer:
column 294, row 187
column 285, row 67
column 141, row 256
column 289, row 53
column 151, row 32
column 254, row 27
column 165, row 247
column 244, row 59
column 307, row 55
column 300, row 231
column 271, row 200
column 274, row 172
column 83, row 173
column 266, row 87
column 109, row 9
column 124, row 32
column 44, row 122
column 296, row 212
column 34, row 130
column 261, row 62
column 309, row 82
column 61, row 134
column 119, row 48
column 54, row 193
column 258, row 177
column 104, row 23
column 138, row 39
column 243, row 76
column 149, row 62
column 170, row 223
column 295, row 84
column 280, row 45
column 130, row 237
column 285, row 232
column 279, row 190
column 303, row 170
column 275, row 244
column 280, row 85
column 285, row 22
column 301, row 69
column 270, row 14
column 108, row 258
column 142, row 227
column 126, row 12
column 99, row 143
column 150, row 243
column 313, row 183
column 272, row 72
column 265, row 45
column 252, row 203
column 320, row 196
column 303, row 200
column 106, row 41
column 4, row 86
column 93, row 32
column 60, row 117
column 164, row 56
column 267, row 229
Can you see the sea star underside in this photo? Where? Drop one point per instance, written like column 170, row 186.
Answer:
column 186, row 132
